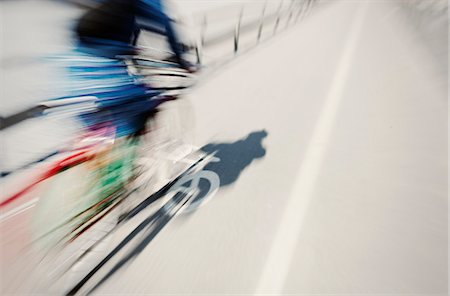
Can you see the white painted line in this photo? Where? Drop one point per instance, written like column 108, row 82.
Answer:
column 19, row 209
column 286, row 238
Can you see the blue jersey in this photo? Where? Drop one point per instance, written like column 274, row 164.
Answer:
column 116, row 20
column 104, row 33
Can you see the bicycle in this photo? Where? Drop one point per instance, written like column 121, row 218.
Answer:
column 107, row 172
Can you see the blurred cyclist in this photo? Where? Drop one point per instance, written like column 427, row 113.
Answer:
column 112, row 27
column 123, row 103
column 104, row 34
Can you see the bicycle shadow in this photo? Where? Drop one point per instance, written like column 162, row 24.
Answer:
column 234, row 157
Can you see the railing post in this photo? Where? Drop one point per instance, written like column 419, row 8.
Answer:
column 308, row 6
column 237, row 31
column 262, row 21
column 278, row 17
column 203, row 30
column 198, row 53
column 300, row 10
column 291, row 9
column 201, row 41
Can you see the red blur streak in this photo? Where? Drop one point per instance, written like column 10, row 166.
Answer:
column 72, row 160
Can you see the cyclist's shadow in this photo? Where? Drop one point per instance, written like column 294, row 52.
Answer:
column 232, row 159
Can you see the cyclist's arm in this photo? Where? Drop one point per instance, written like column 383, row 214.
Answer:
column 152, row 10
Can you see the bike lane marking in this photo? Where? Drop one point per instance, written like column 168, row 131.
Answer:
column 283, row 248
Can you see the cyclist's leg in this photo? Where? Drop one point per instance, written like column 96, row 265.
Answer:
column 160, row 19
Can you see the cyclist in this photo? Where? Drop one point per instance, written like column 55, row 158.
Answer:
column 123, row 104
column 104, row 34
column 117, row 22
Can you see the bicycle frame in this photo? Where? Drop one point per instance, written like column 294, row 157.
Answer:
column 79, row 155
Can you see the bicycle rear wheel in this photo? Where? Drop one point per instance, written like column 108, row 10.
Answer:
column 163, row 149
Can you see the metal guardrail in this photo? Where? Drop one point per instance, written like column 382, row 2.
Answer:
column 296, row 10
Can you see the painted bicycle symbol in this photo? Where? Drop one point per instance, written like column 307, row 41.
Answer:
column 192, row 185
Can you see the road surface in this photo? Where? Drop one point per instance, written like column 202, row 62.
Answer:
column 332, row 140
